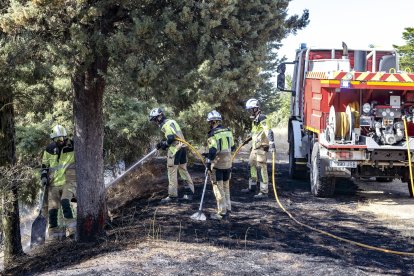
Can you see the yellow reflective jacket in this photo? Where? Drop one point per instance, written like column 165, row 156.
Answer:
column 220, row 143
column 170, row 128
column 57, row 160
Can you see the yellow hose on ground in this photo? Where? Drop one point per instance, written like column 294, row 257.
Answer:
column 409, row 154
column 384, row 250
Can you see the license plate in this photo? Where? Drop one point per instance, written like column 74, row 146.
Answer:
column 343, row 164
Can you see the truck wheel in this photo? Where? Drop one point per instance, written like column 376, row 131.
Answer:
column 406, row 178
column 296, row 171
column 320, row 186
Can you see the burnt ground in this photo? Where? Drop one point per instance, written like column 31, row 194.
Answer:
column 258, row 238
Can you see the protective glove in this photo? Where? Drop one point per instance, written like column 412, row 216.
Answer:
column 158, row 145
column 44, row 176
column 161, row 145
column 272, row 147
column 247, row 141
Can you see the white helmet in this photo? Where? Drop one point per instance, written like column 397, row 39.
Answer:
column 252, row 103
column 214, row 116
column 58, row 131
column 154, row 113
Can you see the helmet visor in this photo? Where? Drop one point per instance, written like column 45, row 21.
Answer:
column 253, row 110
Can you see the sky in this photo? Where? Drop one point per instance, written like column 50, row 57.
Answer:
column 358, row 23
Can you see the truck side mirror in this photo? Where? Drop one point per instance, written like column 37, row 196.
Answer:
column 280, row 84
column 281, row 68
column 281, row 81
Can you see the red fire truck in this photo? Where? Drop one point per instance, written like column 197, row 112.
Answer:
column 350, row 111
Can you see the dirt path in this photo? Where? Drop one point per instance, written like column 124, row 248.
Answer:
column 259, row 239
column 390, row 204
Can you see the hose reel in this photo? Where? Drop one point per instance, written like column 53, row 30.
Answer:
column 341, row 124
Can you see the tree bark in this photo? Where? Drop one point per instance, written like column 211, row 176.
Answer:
column 10, row 206
column 89, row 87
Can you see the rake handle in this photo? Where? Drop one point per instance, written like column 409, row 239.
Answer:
column 204, row 190
column 42, row 199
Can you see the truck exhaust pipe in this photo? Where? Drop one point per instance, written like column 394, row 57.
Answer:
column 344, row 50
column 360, row 61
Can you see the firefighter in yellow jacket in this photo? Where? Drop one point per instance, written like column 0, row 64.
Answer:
column 220, row 144
column 58, row 171
column 262, row 141
column 176, row 155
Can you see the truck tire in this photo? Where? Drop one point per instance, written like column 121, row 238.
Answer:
column 406, row 178
column 296, row 171
column 320, row 186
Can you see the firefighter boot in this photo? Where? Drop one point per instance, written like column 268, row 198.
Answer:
column 188, row 194
column 251, row 188
column 168, row 199
column 70, row 228
column 260, row 196
column 263, row 191
column 216, row 216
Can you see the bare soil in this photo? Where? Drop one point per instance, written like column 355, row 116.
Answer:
column 147, row 238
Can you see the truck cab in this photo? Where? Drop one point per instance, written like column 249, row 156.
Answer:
column 351, row 116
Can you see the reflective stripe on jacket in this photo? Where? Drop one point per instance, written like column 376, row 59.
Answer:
column 170, row 127
column 58, row 161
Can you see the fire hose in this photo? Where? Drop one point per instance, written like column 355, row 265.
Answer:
column 367, row 246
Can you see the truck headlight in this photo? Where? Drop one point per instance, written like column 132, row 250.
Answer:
column 366, row 108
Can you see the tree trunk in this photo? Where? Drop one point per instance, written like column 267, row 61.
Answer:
column 88, row 113
column 10, row 206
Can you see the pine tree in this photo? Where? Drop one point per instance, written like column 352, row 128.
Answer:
column 10, row 207
column 190, row 56
column 16, row 179
column 407, row 50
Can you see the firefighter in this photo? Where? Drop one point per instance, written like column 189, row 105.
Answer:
column 58, row 172
column 220, row 144
column 262, row 141
column 176, row 155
